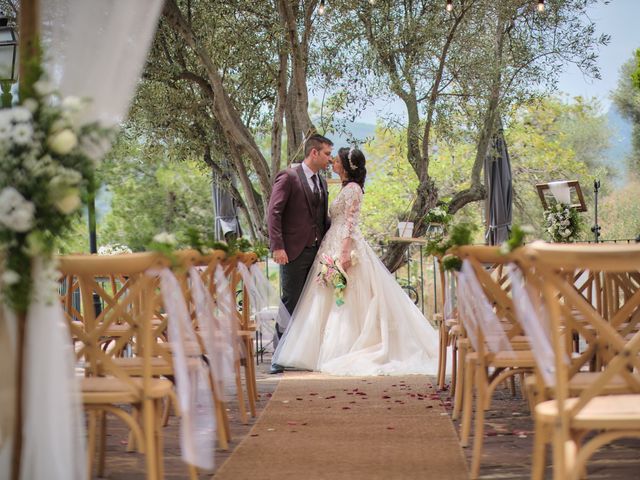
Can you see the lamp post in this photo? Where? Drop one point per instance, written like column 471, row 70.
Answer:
column 8, row 59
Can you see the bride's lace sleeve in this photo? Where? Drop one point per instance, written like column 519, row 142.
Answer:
column 353, row 200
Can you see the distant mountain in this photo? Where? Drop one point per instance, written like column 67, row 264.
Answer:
column 358, row 131
column 620, row 148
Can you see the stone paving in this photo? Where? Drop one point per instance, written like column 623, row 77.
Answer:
column 507, row 444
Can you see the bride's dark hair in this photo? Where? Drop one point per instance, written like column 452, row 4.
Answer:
column 353, row 164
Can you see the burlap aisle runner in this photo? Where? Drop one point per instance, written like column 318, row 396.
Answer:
column 322, row 427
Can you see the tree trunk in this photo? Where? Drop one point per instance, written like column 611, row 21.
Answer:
column 299, row 124
column 278, row 116
column 235, row 131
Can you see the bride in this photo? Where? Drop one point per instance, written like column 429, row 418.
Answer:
column 378, row 330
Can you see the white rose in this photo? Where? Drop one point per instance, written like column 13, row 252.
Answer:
column 69, row 203
column 72, row 104
column 31, row 105
column 21, row 114
column 16, row 213
column 43, row 87
column 63, row 142
column 9, row 277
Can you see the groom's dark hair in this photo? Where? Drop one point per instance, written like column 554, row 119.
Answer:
column 315, row 141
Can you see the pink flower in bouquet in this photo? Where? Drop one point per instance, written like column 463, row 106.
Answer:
column 332, row 275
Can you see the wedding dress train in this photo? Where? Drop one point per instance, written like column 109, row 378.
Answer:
column 378, row 330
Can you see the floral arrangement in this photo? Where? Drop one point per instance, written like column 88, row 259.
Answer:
column 439, row 215
column 115, row 249
column 48, row 163
column 460, row 234
column 562, row 222
column 332, row 275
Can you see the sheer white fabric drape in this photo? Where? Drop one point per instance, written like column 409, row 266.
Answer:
column 96, row 49
column 198, row 421
column 219, row 338
column 476, row 311
column 53, row 428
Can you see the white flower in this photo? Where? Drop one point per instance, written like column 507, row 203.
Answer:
column 21, row 114
column 5, row 130
column 63, row 142
column 43, row 87
column 9, row 277
column 30, row 104
column 72, row 104
column 165, row 237
column 22, row 133
column 16, row 213
column 115, row 249
column 69, row 203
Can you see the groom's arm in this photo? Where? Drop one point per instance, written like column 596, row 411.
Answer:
column 278, row 202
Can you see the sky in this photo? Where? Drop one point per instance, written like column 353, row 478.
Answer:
column 620, row 19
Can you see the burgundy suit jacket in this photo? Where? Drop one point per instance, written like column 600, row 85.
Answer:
column 290, row 220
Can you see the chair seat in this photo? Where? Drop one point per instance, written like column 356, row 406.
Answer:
column 159, row 366
column 620, row 412
column 101, row 390
column 508, row 359
column 581, row 380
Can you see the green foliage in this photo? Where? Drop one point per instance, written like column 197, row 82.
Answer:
column 451, row 262
column 157, row 192
column 620, row 212
column 459, row 235
column 635, row 76
column 626, row 97
column 516, row 238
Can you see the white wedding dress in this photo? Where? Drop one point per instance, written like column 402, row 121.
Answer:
column 378, row 330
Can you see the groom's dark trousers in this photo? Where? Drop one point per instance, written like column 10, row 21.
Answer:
column 293, row 276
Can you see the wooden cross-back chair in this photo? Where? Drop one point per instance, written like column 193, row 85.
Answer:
column 483, row 369
column 108, row 384
column 606, row 320
column 247, row 327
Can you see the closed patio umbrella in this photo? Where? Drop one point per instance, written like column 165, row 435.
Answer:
column 226, row 212
column 497, row 176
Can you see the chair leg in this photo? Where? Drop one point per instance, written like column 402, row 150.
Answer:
column 454, row 366
column 91, row 441
column 158, row 436
column 239, row 393
column 467, row 398
column 166, row 411
column 539, row 451
column 131, row 443
column 103, row 442
column 442, row 357
column 250, row 376
column 478, row 434
column 459, row 395
column 222, row 421
column 150, row 432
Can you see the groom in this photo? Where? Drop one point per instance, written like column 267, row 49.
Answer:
column 298, row 219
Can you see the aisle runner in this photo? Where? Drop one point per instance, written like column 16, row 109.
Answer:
column 322, row 427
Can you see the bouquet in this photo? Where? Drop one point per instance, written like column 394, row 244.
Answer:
column 332, row 275
column 563, row 223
